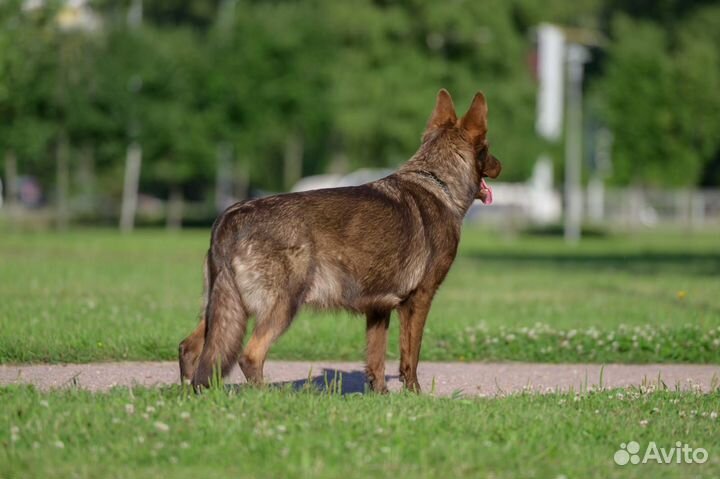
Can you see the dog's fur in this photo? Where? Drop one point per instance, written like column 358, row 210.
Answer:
column 372, row 248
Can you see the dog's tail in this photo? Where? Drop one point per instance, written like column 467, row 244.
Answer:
column 191, row 347
column 225, row 323
column 206, row 288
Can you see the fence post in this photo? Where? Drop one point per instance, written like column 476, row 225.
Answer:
column 596, row 199
column 697, row 210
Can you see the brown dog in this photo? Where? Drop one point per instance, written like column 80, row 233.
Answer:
column 372, row 248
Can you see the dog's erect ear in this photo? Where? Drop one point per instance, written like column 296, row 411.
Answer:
column 444, row 112
column 475, row 120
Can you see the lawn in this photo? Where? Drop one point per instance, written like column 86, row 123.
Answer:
column 282, row 433
column 653, row 297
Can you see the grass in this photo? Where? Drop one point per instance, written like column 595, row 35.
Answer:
column 96, row 295
column 282, row 433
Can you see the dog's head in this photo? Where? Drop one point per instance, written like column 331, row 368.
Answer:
column 472, row 128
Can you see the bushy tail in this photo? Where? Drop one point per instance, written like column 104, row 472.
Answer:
column 225, row 325
column 191, row 347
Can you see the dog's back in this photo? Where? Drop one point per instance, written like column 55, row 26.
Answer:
column 360, row 248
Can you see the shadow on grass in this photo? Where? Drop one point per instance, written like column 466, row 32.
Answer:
column 705, row 264
column 329, row 381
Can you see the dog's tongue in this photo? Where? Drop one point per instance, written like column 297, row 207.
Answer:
column 488, row 195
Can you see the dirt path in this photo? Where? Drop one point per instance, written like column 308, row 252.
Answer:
column 470, row 378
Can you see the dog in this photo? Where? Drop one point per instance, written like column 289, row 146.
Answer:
column 370, row 249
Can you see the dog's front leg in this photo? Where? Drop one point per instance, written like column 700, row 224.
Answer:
column 413, row 313
column 377, row 329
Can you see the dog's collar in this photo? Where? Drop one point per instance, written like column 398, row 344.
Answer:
column 432, row 176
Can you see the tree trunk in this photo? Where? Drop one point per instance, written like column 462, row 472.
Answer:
column 293, row 160
column 175, row 208
column 223, row 178
column 10, row 184
column 133, row 162
column 62, row 157
column 596, row 199
column 85, row 179
column 242, row 187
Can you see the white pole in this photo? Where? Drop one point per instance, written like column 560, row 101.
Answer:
column 551, row 58
column 135, row 14
column 133, row 155
column 133, row 161
column 576, row 57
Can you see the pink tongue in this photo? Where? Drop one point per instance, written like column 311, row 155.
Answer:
column 489, row 197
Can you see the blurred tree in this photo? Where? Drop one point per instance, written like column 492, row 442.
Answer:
column 272, row 85
column 667, row 14
column 28, row 69
column 80, row 118
column 654, row 92
column 293, row 88
column 697, row 63
column 394, row 56
column 199, row 14
column 647, row 146
column 578, row 13
column 174, row 127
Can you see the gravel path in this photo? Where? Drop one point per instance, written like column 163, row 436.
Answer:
column 469, row 378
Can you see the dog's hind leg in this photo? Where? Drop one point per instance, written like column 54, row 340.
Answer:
column 269, row 325
column 377, row 330
column 226, row 322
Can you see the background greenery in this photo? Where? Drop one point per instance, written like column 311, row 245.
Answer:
column 343, row 85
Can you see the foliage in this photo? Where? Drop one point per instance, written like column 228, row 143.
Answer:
column 351, row 83
column 666, row 130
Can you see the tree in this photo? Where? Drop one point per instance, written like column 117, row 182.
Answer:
column 173, row 129
column 270, row 84
column 28, row 69
column 657, row 106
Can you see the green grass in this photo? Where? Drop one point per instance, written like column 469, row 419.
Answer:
column 281, row 433
column 96, row 295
